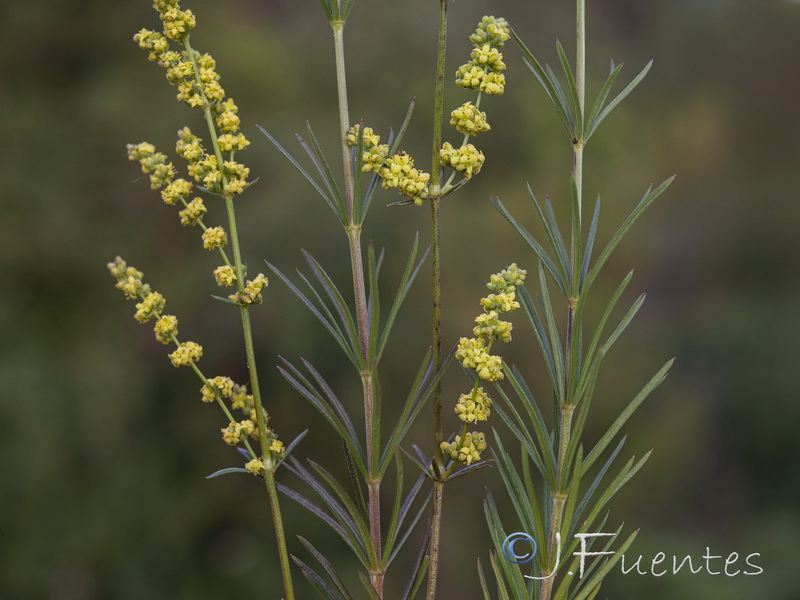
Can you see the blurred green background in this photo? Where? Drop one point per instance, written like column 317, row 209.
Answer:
column 105, row 446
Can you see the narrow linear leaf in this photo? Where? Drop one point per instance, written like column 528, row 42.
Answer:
column 538, row 329
column 620, row 97
column 587, row 254
column 364, row 579
column 226, row 472
column 544, row 80
column 409, row 275
column 573, row 91
column 419, row 570
column 335, row 333
column 646, row 201
column 623, row 324
column 541, row 253
column 315, row 580
column 305, row 174
column 604, row 441
column 600, row 101
column 328, row 567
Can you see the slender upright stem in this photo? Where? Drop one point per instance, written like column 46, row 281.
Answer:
column 276, row 517
column 566, row 408
column 367, row 370
column 344, row 115
column 438, row 485
column 261, row 415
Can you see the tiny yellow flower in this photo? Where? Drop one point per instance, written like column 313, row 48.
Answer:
column 149, row 307
column 255, row 466
column 468, row 119
column 225, row 275
column 166, row 327
column 176, row 191
column 193, row 212
column 214, row 237
column 232, row 434
column 186, row 354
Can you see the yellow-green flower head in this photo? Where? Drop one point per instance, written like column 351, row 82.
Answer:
column 370, row 137
column 180, row 71
column 415, row 186
column 141, row 152
column 398, row 172
column 395, row 168
column 507, row 280
column 468, row 119
column 494, row 32
column 232, row 434
column 252, row 292
column 225, row 275
column 214, row 92
column 474, row 407
column 176, row 191
column 228, row 122
column 470, row 351
column 189, row 146
column 502, row 303
column 248, row 428
column 150, row 307
column 168, row 58
column 177, row 23
column 229, row 142
column 490, row 328
column 161, row 176
column 189, row 92
column 166, row 327
column 473, row 355
column 227, row 106
column 193, row 212
column 186, row 354
column 467, row 450
column 129, row 279
column 467, row 159
column 164, row 5
column 236, row 175
column 255, row 466
column 205, row 170
column 276, row 449
column 241, row 400
column 153, row 42
column 214, row 237
column 217, row 385
column 489, row 58
column 374, row 158
column 475, row 77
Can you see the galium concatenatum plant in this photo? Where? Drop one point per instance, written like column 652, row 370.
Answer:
column 373, row 524
column 557, row 488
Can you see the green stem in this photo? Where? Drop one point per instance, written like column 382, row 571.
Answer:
column 438, row 106
column 438, row 489
column 567, row 408
column 344, row 117
column 286, row 573
column 367, row 370
column 261, row 416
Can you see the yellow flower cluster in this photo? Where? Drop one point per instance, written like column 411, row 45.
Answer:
column 150, row 307
column 217, row 385
column 469, row 120
column 474, row 354
column 484, row 71
column 251, row 293
column 474, row 407
column 198, row 82
column 166, row 327
column 214, row 237
column 466, row 448
column 186, row 354
column 467, row 159
column 236, row 432
column 396, row 171
column 225, row 275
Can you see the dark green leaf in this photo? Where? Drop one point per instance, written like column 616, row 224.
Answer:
column 227, row 471
column 620, row 97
